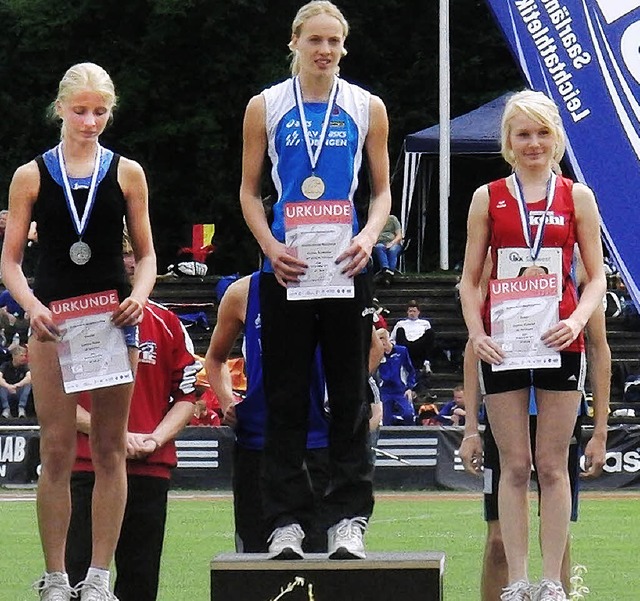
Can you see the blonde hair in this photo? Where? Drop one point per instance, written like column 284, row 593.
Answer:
column 543, row 110
column 312, row 9
column 82, row 77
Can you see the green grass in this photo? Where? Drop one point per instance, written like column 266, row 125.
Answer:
column 605, row 539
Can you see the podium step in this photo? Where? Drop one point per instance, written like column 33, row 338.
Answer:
column 379, row 577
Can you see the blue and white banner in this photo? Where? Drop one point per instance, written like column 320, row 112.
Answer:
column 585, row 54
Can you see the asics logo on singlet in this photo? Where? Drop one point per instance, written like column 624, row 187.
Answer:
column 501, row 204
column 535, row 218
column 292, row 139
column 148, row 352
column 295, row 123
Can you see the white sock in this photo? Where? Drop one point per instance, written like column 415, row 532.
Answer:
column 99, row 574
column 56, row 576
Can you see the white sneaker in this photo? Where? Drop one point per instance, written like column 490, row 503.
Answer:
column 286, row 542
column 520, row 590
column 6, row 413
column 549, row 590
column 93, row 589
column 346, row 539
column 22, row 412
column 54, row 587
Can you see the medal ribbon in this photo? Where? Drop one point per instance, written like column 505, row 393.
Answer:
column 314, row 156
column 536, row 246
column 80, row 224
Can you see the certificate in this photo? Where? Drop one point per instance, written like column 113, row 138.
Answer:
column 318, row 232
column 522, row 309
column 516, row 262
column 92, row 352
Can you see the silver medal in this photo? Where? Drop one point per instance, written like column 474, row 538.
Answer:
column 80, row 252
column 313, row 187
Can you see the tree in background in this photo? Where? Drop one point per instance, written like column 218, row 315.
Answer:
column 185, row 69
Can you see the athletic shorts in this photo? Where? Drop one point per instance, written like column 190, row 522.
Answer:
column 569, row 376
column 492, row 468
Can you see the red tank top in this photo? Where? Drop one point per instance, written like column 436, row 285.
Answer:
column 559, row 232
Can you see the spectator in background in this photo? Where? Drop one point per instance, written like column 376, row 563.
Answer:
column 239, row 311
column 14, row 323
column 205, row 411
column 396, row 377
column 387, row 250
column 161, row 405
column 428, row 415
column 380, row 316
column 15, row 382
column 10, row 309
column 417, row 335
column 12, row 317
column 453, row 412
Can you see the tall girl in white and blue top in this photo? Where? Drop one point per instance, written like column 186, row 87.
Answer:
column 316, row 129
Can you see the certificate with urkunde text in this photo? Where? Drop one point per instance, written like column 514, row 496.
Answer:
column 92, row 352
column 318, row 232
column 522, row 309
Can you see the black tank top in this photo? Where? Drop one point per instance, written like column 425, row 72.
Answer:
column 56, row 276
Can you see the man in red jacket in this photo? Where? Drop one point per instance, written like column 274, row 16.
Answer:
column 162, row 404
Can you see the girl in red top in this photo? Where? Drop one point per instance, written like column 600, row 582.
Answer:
column 530, row 223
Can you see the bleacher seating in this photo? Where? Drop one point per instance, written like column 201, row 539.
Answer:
column 189, row 295
column 436, row 294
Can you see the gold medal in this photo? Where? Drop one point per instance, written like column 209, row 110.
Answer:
column 313, row 187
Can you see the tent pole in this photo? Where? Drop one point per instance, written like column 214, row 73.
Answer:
column 420, row 232
column 445, row 138
column 425, row 192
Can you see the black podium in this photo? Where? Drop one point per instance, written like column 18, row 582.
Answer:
column 380, row 577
